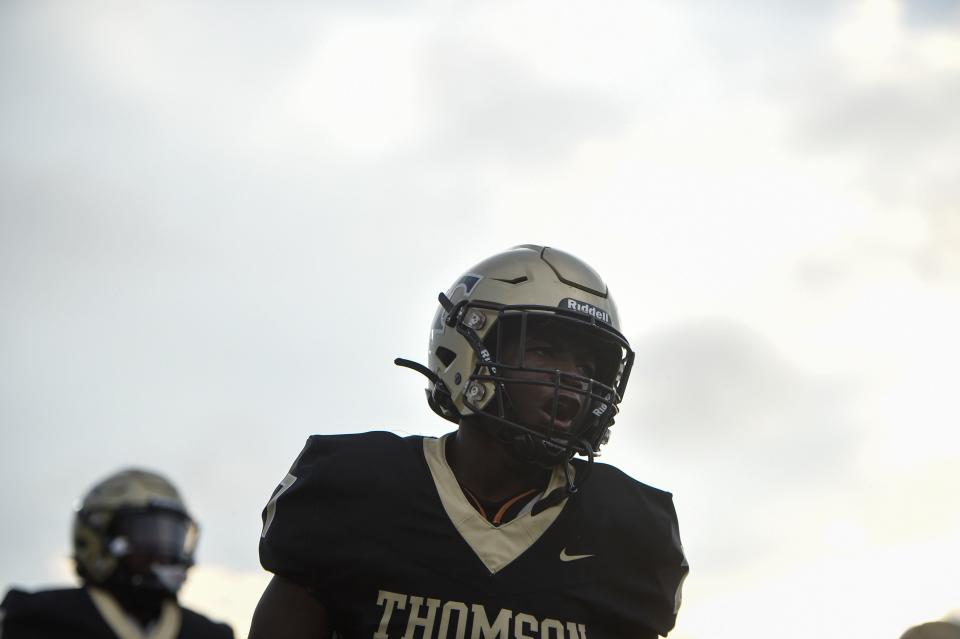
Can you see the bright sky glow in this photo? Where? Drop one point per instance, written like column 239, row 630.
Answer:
column 219, row 224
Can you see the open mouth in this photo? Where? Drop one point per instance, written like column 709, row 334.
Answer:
column 568, row 409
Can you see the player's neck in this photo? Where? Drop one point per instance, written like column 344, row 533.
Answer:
column 143, row 605
column 488, row 471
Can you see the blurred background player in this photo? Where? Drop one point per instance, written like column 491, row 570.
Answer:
column 133, row 541
column 933, row 630
column 493, row 530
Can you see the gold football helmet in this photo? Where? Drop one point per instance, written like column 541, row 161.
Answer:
column 133, row 528
column 505, row 299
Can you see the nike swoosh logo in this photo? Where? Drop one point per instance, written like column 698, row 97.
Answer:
column 565, row 557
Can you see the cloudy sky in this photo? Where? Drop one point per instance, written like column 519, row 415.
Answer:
column 220, row 222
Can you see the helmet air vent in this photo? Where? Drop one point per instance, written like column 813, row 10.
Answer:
column 572, row 272
column 445, row 355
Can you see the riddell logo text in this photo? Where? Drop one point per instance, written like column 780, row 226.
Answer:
column 444, row 619
column 586, row 309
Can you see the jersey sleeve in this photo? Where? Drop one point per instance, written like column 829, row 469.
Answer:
column 19, row 613
column 640, row 592
column 294, row 514
column 3, row 609
column 672, row 567
column 317, row 523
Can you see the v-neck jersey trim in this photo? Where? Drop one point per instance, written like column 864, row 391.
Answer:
column 495, row 545
column 167, row 625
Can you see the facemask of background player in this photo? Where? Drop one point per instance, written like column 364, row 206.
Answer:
column 155, row 548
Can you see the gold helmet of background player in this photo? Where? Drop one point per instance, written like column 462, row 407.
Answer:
column 933, row 630
column 133, row 528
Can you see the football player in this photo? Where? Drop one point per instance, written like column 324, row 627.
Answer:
column 133, row 542
column 933, row 630
column 496, row 529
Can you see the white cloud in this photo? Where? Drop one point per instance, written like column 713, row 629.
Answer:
column 858, row 592
column 219, row 226
column 360, row 89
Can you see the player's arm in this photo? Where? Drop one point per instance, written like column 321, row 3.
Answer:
column 287, row 611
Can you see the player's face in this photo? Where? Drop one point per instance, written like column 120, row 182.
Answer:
column 561, row 353
column 153, row 546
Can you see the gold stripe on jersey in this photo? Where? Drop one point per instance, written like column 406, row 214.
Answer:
column 167, row 626
column 496, row 546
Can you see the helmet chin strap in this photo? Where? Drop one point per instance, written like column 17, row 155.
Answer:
column 570, row 487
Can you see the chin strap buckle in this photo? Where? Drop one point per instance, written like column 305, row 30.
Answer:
column 570, row 485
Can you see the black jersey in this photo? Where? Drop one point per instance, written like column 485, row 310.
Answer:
column 376, row 526
column 91, row 613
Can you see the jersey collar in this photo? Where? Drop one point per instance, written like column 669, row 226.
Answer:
column 166, row 627
column 495, row 546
